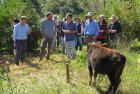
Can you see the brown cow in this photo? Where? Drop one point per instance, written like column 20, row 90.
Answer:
column 106, row 61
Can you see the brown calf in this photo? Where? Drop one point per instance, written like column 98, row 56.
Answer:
column 106, row 61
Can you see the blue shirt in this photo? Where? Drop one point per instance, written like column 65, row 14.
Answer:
column 92, row 28
column 69, row 26
column 20, row 32
column 48, row 28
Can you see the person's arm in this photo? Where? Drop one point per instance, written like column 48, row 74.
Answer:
column 75, row 29
column 63, row 29
column 109, row 28
column 29, row 30
column 15, row 35
column 85, row 28
column 119, row 28
column 55, row 27
column 41, row 29
column 105, row 29
column 97, row 29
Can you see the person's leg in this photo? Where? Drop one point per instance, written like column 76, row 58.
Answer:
column 88, row 40
column 62, row 45
column 49, row 41
column 42, row 50
column 18, row 52
column 80, row 42
column 72, row 44
column 76, row 42
column 54, row 43
column 67, row 46
column 58, row 39
column 24, row 47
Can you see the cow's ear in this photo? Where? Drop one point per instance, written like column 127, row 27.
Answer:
column 116, row 57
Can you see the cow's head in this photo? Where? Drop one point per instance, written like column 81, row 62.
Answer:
column 95, row 45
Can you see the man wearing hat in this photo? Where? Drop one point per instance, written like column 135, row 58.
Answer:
column 20, row 32
column 114, row 29
column 91, row 29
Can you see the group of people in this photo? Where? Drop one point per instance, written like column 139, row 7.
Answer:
column 70, row 33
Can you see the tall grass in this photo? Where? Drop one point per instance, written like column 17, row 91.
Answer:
column 51, row 77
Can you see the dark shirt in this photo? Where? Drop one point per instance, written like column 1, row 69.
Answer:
column 62, row 33
column 69, row 26
column 78, row 30
column 115, row 26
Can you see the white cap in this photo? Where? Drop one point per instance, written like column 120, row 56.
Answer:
column 89, row 14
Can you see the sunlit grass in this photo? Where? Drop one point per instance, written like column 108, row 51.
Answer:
column 50, row 76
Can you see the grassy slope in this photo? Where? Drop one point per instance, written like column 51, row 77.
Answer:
column 49, row 77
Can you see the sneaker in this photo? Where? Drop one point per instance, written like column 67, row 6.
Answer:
column 47, row 57
column 17, row 63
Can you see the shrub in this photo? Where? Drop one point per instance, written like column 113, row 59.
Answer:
column 14, row 9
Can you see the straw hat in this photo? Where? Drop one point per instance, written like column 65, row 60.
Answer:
column 113, row 17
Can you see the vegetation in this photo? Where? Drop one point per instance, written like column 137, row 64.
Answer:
column 8, row 13
column 50, row 76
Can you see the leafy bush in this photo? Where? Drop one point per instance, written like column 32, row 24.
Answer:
column 62, row 7
column 14, row 9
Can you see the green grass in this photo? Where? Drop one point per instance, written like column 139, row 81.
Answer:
column 50, row 76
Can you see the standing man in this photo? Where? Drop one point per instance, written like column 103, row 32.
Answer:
column 21, row 30
column 48, row 31
column 114, row 29
column 69, row 29
column 91, row 29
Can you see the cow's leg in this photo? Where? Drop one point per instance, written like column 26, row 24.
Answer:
column 95, row 76
column 117, row 84
column 90, row 72
column 113, row 82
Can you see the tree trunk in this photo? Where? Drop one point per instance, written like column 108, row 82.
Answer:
column 104, row 3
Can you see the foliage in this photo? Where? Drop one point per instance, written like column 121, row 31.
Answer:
column 128, row 12
column 62, row 7
column 14, row 9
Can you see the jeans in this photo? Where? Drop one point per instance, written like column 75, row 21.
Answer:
column 62, row 44
column 54, row 42
column 45, row 43
column 78, row 42
column 58, row 39
column 113, row 41
column 68, row 45
column 21, row 46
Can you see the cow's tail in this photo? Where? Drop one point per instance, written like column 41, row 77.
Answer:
column 123, row 59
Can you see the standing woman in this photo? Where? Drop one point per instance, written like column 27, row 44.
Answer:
column 78, row 35
column 59, row 29
column 103, row 29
